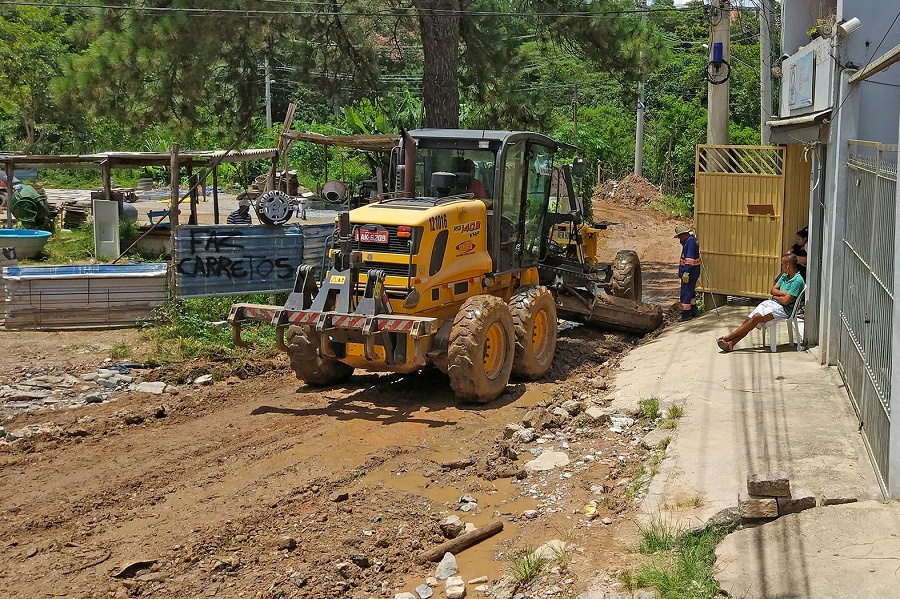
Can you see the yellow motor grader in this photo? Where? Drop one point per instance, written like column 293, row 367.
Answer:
column 467, row 268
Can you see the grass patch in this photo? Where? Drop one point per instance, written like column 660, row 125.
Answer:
column 648, row 408
column 194, row 328
column 673, row 414
column 66, row 247
column 682, row 564
column 642, row 476
column 659, row 535
column 119, row 351
column 681, row 205
column 527, row 565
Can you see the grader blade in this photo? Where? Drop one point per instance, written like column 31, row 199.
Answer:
column 613, row 313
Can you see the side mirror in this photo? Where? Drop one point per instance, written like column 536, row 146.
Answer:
column 579, row 165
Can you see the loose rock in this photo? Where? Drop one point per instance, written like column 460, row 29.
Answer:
column 206, row 379
column 798, row 501
column 155, row 387
column 770, row 484
column 455, row 588
column 287, row 543
column 95, row 397
column 339, row 496
column 526, row 435
column 424, row 591
column 447, row 567
column 753, row 507
column 452, row 527
column 548, row 460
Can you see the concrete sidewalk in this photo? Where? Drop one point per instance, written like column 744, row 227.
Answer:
column 749, row 411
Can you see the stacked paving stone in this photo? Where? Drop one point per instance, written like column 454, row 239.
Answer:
column 770, row 495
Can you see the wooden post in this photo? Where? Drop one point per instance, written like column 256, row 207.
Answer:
column 10, row 171
column 459, row 543
column 215, row 175
column 106, row 175
column 192, row 182
column 174, row 180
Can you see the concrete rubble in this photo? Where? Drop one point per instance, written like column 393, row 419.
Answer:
column 57, row 389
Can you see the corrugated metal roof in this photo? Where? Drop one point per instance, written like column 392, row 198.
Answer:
column 369, row 143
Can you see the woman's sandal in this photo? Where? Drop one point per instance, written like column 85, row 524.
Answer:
column 724, row 345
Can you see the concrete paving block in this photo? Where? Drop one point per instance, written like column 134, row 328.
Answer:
column 798, row 501
column 769, row 484
column 752, row 507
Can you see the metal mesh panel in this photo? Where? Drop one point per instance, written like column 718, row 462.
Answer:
column 864, row 355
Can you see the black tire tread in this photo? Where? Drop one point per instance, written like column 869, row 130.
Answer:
column 464, row 353
column 522, row 305
column 309, row 365
column 626, row 278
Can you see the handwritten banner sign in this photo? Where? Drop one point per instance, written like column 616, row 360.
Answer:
column 236, row 260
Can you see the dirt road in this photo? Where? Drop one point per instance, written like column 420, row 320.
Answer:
column 266, row 488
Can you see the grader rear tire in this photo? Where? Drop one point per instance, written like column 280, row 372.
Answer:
column 309, row 365
column 626, row 278
column 481, row 349
column 533, row 312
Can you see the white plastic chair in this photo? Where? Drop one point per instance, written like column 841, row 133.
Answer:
column 792, row 325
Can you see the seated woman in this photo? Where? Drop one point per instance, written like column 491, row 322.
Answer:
column 784, row 295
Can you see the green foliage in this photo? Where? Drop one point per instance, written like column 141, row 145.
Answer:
column 195, row 328
column 34, row 43
column 84, row 80
column 648, row 408
column 682, row 563
column 673, row 414
column 659, row 534
column 68, row 247
column 681, row 205
column 527, row 565
column 119, row 351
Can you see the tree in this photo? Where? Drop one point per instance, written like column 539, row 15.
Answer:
column 169, row 62
column 34, row 45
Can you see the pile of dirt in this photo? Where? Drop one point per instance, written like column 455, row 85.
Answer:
column 633, row 190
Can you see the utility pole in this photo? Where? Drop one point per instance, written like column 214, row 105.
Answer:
column 639, row 129
column 718, row 94
column 268, row 94
column 765, row 71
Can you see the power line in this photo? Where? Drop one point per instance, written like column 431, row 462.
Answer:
column 310, row 13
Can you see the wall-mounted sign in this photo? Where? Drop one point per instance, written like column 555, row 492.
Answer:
column 800, row 81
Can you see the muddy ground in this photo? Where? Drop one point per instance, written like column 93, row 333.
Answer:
column 263, row 487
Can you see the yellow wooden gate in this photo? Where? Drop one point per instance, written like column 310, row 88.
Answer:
column 748, row 202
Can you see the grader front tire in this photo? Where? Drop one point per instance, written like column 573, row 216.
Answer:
column 626, row 277
column 309, row 365
column 481, row 349
column 533, row 313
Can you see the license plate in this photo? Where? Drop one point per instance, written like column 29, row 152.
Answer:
column 366, row 236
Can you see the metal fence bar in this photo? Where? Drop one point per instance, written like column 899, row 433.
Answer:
column 864, row 355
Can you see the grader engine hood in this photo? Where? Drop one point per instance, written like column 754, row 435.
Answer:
column 428, row 244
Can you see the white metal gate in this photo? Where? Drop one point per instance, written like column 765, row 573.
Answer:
column 868, row 295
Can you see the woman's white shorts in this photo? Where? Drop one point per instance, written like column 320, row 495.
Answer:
column 769, row 307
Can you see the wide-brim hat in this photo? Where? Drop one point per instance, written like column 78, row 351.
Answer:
column 244, row 202
column 681, row 230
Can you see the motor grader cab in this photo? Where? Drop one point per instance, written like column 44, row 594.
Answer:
column 471, row 282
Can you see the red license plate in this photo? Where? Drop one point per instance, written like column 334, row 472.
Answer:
column 367, row 236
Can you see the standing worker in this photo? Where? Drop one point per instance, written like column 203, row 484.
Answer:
column 688, row 271
column 241, row 216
